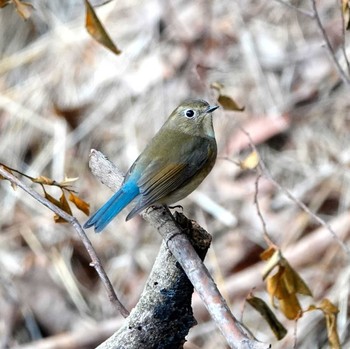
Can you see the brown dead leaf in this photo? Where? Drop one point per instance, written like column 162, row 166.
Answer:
column 267, row 254
column 64, row 205
column 259, row 305
column 52, row 199
column 4, row 3
column 285, row 284
column 330, row 312
column 226, row 101
column 79, row 203
column 288, row 302
column 96, row 29
column 293, row 281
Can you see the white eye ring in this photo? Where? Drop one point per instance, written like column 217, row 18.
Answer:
column 190, row 113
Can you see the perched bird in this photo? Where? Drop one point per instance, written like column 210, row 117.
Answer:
column 172, row 165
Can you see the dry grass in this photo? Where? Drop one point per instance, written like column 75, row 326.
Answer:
column 270, row 58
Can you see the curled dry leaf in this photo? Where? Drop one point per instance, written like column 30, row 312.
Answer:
column 229, row 104
column 24, row 9
column 259, row 305
column 285, row 284
column 97, row 31
column 79, row 203
column 4, row 3
column 224, row 100
column 64, row 205
column 13, row 185
column 330, row 312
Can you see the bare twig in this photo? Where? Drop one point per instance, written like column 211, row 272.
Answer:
column 330, row 50
column 319, row 220
column 96, row 263
column 233, row 331
column 256, row 202
column 300, row 10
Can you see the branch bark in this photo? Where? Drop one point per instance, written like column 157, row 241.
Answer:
column 163, row 313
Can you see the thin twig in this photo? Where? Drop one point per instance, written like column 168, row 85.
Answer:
column 96, row 263
column 319, row 220
column 330, row 50
column 256, row 202
column 300, row 10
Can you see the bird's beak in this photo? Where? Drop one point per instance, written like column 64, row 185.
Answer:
column 212, row 108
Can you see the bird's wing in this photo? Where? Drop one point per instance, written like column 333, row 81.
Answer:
column 160, row 179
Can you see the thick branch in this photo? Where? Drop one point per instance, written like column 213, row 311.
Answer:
column 163, row 313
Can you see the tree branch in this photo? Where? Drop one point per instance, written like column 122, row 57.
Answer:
column 96, row 263
column 234, row 332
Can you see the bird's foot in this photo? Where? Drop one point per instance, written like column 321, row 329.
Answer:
column 176, row 206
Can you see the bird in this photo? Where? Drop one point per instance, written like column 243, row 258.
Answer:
column 173, row 164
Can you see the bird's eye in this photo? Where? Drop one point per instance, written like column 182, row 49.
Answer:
column 189, row 113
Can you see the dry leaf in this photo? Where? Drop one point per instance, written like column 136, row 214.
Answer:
column 250, row 162
column 226, row 101
column 265, row 311
column 68, row 181
column 80, row 204
column 229, row 104
column 43, row 180
column 330, row 312
column 24, row 9
column 273, row 256
column 267, row 254
column 64, row 205
column 285, row 284
column 13, row 185
column 52, row 199
column 4, row 3
column 290, row 307
column 294, row 283
column 96, row 30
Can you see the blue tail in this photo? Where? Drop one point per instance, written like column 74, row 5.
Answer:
column 113, row 206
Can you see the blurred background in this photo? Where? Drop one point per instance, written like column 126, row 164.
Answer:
column 62, row 94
